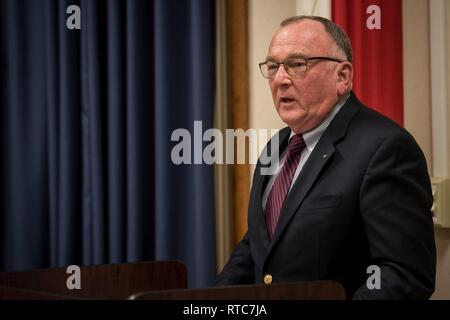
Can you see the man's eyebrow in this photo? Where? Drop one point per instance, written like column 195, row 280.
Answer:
column 294, row 55
column 269, row 58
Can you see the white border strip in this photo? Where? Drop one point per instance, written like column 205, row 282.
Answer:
column 439, row 106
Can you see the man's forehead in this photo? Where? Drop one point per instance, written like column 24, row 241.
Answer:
column 304, row 35
column 307, row 27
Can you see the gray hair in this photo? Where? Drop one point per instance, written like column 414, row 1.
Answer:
column 339, row 36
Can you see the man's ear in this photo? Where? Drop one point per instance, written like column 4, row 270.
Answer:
column 344, row 78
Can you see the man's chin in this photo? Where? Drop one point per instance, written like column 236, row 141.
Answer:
column 295, row 122
column 299, row 126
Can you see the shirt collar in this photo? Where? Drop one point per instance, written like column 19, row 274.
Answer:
column 312, row 137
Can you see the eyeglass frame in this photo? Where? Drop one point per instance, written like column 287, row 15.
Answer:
column 307, row 59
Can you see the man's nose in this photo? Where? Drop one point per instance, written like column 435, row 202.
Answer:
column 282, row 77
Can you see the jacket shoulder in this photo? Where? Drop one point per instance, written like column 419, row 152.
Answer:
column 370, row 123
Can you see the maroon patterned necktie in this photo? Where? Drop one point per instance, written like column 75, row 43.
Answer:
column 282, row 183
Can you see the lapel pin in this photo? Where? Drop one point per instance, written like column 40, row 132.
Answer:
column 324, row 156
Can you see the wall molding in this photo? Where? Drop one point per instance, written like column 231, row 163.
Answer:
column 439, row 87
column 238, row 102
column 222, row 173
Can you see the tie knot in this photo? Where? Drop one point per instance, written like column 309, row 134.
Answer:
column 296, row 144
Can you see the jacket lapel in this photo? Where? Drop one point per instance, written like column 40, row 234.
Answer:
column 260, row 184
column 317, row 160
column 320, row 156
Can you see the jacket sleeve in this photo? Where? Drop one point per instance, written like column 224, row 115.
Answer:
column 395, row 204
column 240, row 268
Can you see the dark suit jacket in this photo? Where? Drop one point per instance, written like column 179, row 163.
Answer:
column 363, row 198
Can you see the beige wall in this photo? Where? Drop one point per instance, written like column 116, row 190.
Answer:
column 264, row 17
column 416, row 74
column 443, row 264
column 417, row 108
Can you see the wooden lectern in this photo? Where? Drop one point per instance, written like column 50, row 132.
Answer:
column 311, row 290
column 153, row 280
column 109, row 281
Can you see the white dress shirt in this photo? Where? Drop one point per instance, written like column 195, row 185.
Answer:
column 311, row 139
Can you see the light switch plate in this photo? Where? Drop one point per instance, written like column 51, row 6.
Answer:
column 441, row 201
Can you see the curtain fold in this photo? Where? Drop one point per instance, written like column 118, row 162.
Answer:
column 86, row 118
column 24, row 202
column 377, row 53
column 184, row 92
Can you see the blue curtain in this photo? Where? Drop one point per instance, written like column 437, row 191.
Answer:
column 184, row 92
column 86, row 121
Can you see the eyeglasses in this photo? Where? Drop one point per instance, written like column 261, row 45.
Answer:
column 294, row 66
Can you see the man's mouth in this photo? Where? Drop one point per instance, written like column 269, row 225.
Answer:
column 286, row 100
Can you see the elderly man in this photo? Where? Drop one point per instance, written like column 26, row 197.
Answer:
column 351, row 192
